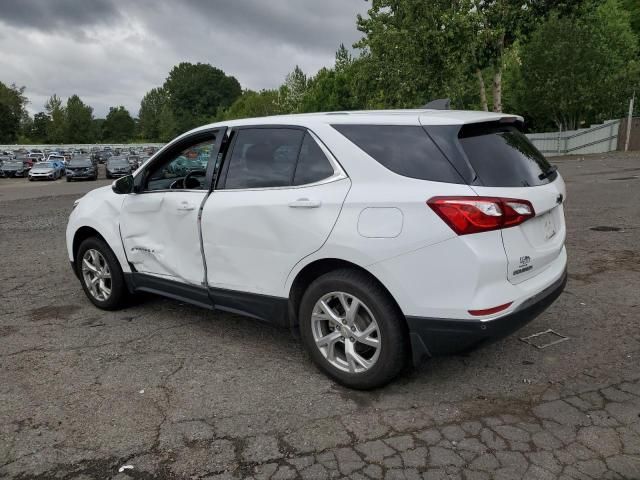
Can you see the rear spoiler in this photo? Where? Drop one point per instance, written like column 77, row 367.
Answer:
column 438, row 104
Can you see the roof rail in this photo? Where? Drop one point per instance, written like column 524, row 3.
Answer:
column 439, row 104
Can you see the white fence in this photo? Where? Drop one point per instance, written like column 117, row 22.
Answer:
column 65, row 147
column 595, row 139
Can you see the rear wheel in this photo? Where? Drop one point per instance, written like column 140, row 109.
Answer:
column 101, row 275
column 353, row 330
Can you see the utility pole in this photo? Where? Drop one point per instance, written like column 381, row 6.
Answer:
column 629, row 119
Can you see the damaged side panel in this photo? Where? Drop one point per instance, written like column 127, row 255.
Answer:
column 160, row 234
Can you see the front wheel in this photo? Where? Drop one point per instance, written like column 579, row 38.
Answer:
column 353, row 330
column 101, row 275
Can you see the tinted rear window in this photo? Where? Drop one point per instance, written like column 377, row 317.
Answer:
column 502, row 156
column 404, row 149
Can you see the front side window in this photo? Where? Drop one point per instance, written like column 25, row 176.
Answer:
column 184, row 170
column 263, row 158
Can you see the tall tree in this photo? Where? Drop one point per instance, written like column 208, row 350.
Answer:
column 254, row 104
column 40, row 128
column 580, row 68
column 293, row 90
column 415, row 50
column 150, row 110
column 167, row 124
column 196, row 92
column 12, row 110
column 118, row 126
column 78, row 121
column 55, row 111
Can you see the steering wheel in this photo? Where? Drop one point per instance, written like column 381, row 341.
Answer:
column 187, row 177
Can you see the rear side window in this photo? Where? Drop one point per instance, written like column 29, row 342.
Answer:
column 313, row 164
column 404, row 149
column 502, row 156
column 263, row 158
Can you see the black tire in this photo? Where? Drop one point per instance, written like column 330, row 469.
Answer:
column 394, row 345
column 68, row 179
column 119, row 293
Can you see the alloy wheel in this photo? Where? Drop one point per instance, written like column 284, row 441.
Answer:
column 96, row 275
column 346, row 332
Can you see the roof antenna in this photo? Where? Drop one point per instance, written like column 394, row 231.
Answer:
column 439, row 104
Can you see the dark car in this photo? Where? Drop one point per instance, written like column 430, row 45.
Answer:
column 103, row 156
column 10, row 167
column 134, row 161
column 81, row 168
column 118, row 167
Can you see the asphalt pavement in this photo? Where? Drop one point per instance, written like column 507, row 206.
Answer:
column 173, row 391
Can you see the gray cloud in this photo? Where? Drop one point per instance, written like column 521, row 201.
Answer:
column 53, row 15
column 110, row 52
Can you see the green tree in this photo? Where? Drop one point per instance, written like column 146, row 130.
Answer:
column 55, row 111
column 97, row 125
column 196, row 93
column 633, row 8
column 293, row 91
column 580, row 68
column 118, row 126
column 414, row 51
column 39, row 128
column 150, row 111
column 12, row 111
column 254, row 104
column 78, row 121
column 167, row 124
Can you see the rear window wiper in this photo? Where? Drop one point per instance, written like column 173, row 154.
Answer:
column 550, row 171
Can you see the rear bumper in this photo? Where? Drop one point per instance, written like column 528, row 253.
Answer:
column 439, row 336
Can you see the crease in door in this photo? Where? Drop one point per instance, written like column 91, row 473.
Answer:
column 205, row 282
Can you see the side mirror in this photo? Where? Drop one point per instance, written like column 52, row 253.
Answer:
column 123, row 185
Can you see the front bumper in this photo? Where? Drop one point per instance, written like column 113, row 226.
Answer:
column 80, row 176
column 42, row 176
column 438, row 336
column 118, row 174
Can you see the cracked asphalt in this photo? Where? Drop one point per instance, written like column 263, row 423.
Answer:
column 177, row 392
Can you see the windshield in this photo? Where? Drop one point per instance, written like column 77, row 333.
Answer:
column 44, row 165
column 12, row 163
column 119, row 162
column 80, row 163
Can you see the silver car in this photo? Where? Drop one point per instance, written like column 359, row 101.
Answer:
column 44, row 171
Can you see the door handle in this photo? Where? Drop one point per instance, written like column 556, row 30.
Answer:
column 305, row 203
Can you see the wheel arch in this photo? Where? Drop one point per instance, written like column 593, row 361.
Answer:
column 316, row 269
column 81, row 235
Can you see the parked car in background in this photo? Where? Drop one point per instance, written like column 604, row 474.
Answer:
column 134, row 161
column 81, row 168
column 104, row 156
column 28, row 161
column 36, row 156
column 59, row 161
column 118, row 167
column 13, row 167
column 45, row 171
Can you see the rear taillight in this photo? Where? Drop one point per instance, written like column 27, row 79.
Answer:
column 467, row 215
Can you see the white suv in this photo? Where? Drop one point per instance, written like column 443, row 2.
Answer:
column 383, row 236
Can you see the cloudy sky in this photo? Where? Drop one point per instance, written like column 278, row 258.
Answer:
column 110, row 52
